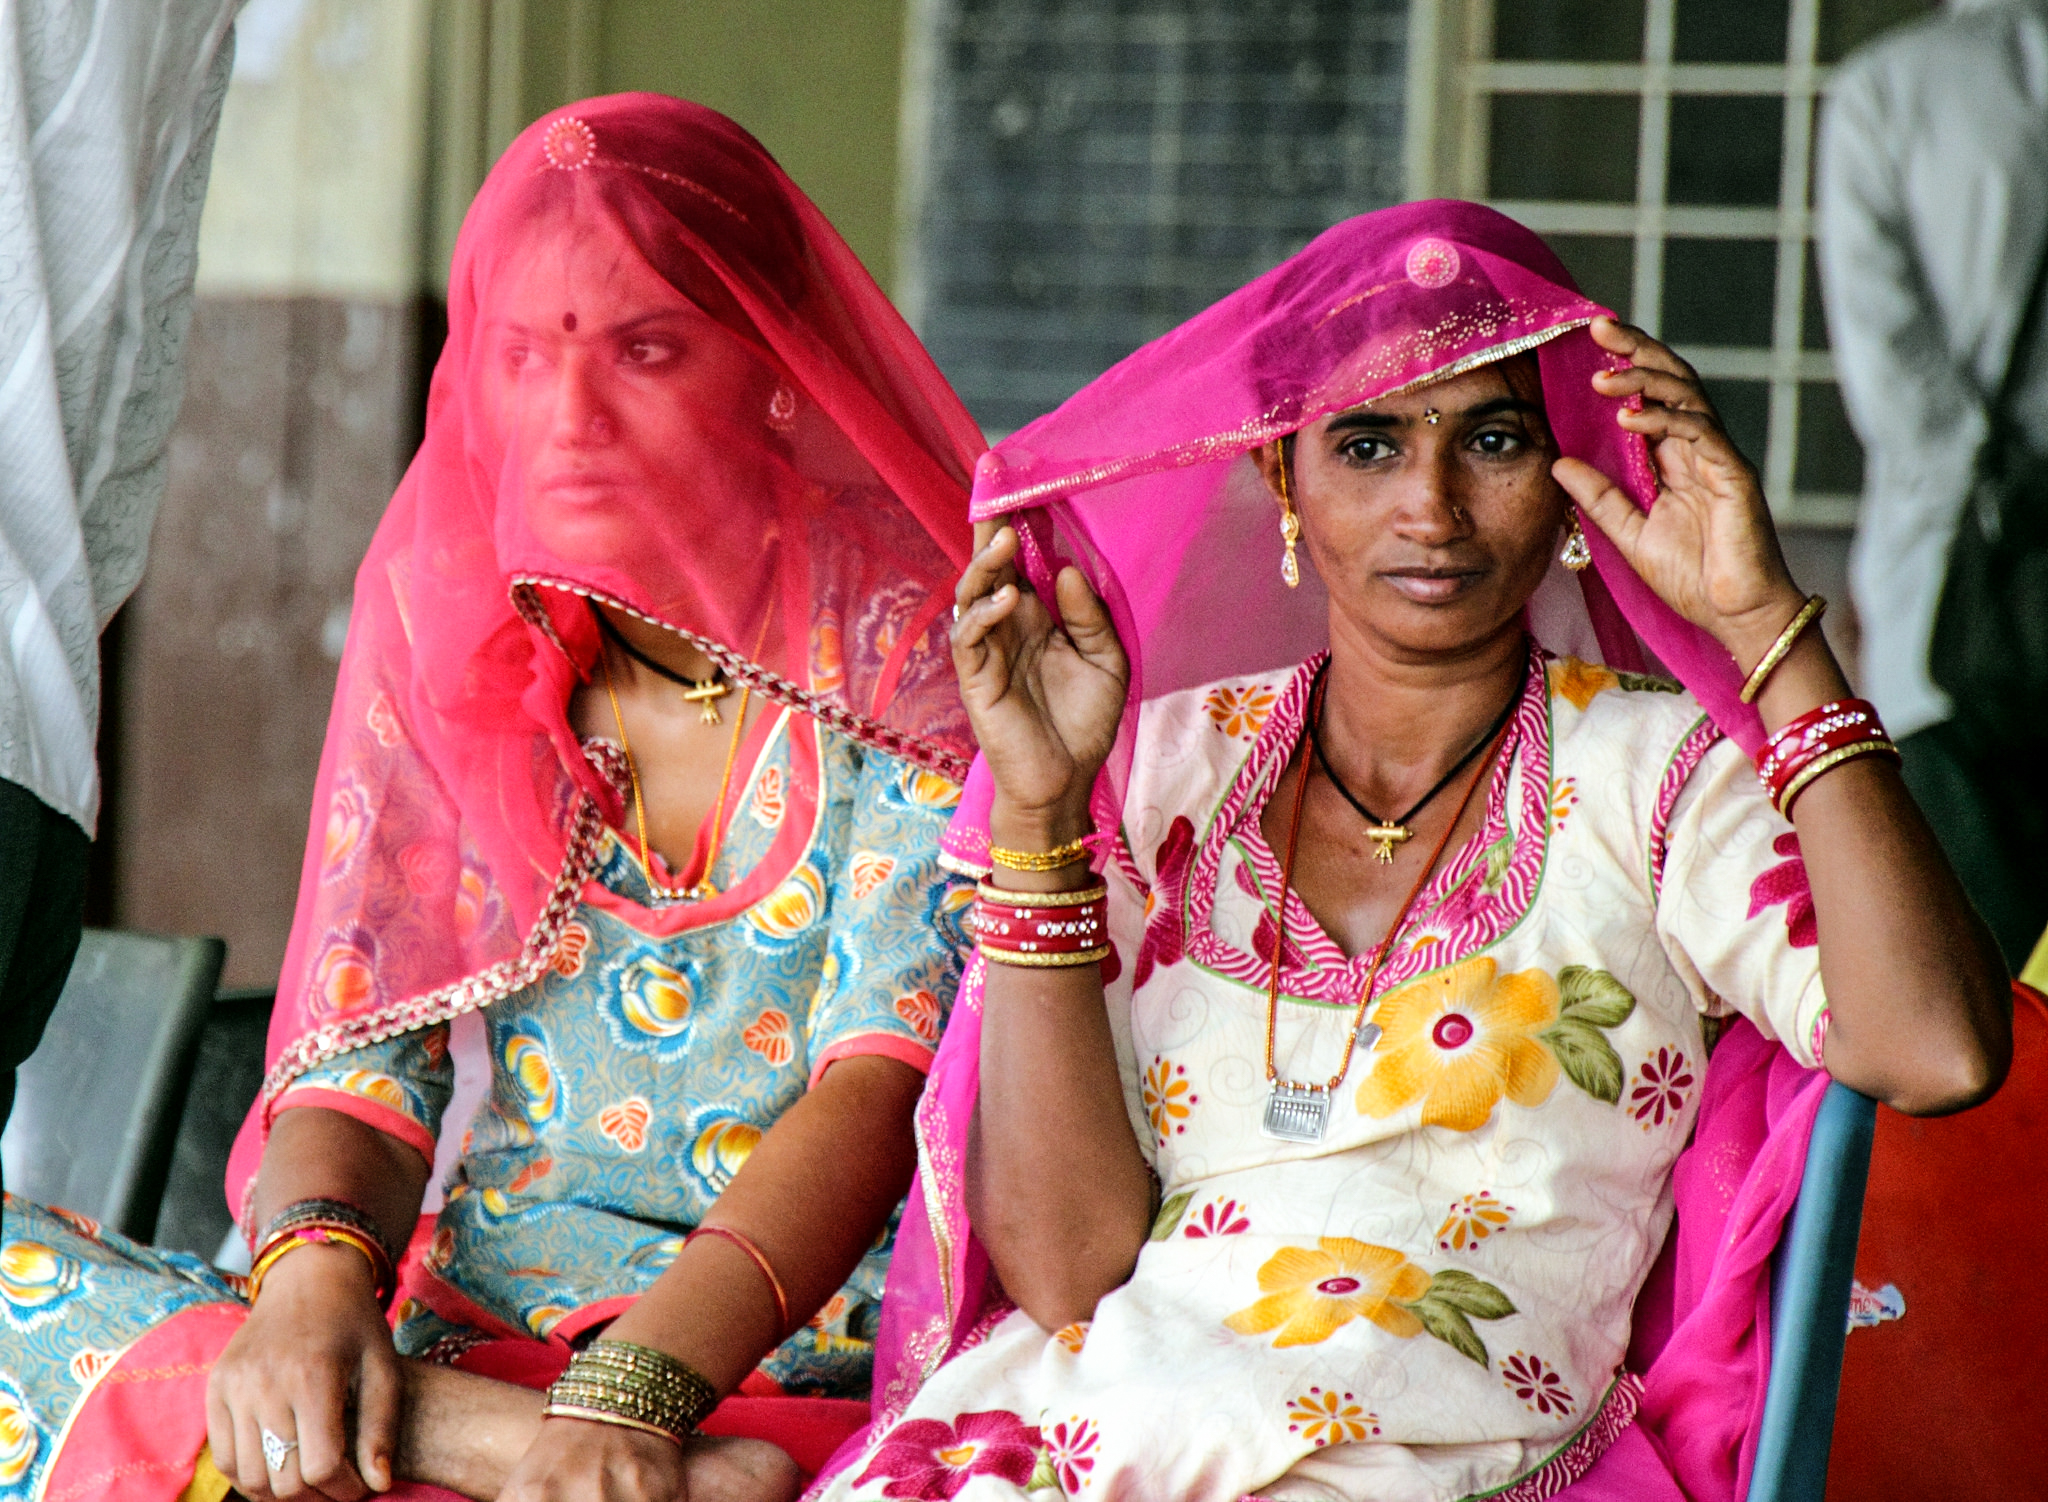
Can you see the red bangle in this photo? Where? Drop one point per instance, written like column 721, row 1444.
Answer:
column 1053, row 929
column 760, row 1259
column 1817, row 742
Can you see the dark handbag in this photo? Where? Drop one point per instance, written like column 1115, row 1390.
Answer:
column 1990, row 644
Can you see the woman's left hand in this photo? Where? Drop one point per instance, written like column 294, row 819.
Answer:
column 574, row 1460
column 1707, row 547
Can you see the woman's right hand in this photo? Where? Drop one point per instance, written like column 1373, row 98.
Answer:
column 1045, row 698
column 313, row 1363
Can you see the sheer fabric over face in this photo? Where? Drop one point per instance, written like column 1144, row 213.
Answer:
column 668, row 385
column 1144, row 478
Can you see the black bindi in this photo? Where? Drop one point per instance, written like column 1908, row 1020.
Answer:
column 569, row 322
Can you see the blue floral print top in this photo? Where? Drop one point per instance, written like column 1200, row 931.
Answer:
column 631, row 1082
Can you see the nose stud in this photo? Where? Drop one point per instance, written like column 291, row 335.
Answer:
column 1431, row 416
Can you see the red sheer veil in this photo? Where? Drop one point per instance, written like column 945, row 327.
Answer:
column 668, row 384
column 1144, row 479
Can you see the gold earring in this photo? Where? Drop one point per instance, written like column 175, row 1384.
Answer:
column 1290, row 524
column 1576, row 554
column 1431, row 416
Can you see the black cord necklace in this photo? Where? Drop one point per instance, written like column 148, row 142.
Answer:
column 1387, row 833
column 705, row 691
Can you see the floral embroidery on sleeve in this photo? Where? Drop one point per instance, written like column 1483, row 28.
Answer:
column 1786, row 883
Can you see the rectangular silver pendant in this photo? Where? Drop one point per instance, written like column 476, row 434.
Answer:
column 1296, row 1113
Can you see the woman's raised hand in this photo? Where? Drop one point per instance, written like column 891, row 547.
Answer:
column 1045, row 698
column 1707, row 547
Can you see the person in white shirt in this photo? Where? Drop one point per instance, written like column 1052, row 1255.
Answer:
column 1933, row 199
column 107, row 117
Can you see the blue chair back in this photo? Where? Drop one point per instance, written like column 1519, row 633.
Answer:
column 1810, row 1303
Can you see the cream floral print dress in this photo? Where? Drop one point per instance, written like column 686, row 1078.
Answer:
column 1433, row 1302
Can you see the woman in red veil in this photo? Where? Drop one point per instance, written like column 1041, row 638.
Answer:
column 628, row 820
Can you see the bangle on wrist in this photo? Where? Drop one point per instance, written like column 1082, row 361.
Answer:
column 1072, row 853
column 633, row 1387
column 296, row 1238
column 760, row 1259
column 1042, row 930
column 1817, row 742
column 1808, row 613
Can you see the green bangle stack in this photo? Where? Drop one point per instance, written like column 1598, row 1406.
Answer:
column 634, row 1387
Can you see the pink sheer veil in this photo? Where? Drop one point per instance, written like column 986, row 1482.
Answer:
column 1143, row 480
column 758, row 453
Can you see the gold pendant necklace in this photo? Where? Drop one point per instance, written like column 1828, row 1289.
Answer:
column 703, row 889
column 1298, row 1111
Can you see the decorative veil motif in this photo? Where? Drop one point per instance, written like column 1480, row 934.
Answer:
column 769, row 464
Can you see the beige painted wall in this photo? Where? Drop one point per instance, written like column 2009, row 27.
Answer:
column 319, row 167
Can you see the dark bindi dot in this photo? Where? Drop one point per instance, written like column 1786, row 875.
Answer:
column 569, row 322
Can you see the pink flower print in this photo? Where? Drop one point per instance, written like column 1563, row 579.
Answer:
column 1165, row 936
column 1224, row 1217
column 1537, row 1385
column 1660, row 1087
column 1786, row 883
column 1070, row 1451
column 926, row 1458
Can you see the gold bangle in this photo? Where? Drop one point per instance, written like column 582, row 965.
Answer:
column 1058, row 858
column 1760, row 674
column 1006, row 897
column 600, row 1416
column 1046, row 961
column 1827, row 764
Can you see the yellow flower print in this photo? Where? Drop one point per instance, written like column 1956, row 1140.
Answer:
column 922, row 789
column 533, row 1076
column 371, row 1085
column 1330, row 1418
column 792, row 907
column 1312, row 1294
column 1471, row 1220
column 1564, row 792
column 37, row 1280
column 1460, row 1039
column 656, row 998
column 1073, row 1337
column 1579, row 682
column 21, row 1442
column 722, row 1149
column 1239, row 713
column 1169, row 1099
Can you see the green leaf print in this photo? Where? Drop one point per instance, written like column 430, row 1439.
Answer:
column 1646, row 683
column 1594, row 996
column 1168, row 1220
column 1498, row 855
column 1453, row 1301
column 1587, row 1058
column 1469, row 1295
column 1043, row 1476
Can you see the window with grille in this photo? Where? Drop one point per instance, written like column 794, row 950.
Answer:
column 1664, row 148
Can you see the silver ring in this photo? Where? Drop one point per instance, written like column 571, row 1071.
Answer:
column 276, row 1451
column 956, row 610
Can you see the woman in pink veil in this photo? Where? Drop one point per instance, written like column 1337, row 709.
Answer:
column 645, row 736
column 1361, row 903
